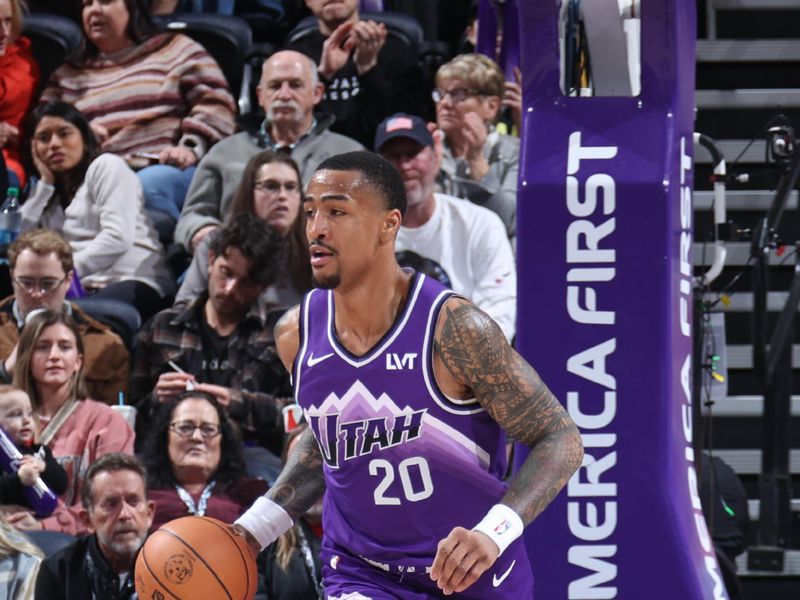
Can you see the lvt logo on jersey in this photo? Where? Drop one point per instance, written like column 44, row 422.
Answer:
column 395, row 362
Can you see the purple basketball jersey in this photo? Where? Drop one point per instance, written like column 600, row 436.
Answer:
column 404, row 464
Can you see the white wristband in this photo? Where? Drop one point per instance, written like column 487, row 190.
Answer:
column 502, row 525
column 266, row 520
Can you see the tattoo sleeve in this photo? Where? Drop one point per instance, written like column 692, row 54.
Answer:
column 301, row 483
column 475, row 352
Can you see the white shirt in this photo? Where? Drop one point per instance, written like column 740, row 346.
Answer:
column 105, row 223
column 471, row 245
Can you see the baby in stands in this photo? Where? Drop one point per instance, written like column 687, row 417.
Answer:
column 17, row 421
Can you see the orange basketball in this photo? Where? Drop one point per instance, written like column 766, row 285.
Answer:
column 195, row 557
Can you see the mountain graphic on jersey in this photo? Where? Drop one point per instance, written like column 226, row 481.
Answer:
column 358, row 424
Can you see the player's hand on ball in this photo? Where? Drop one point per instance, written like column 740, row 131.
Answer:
column 252, row 543
column 461, row 559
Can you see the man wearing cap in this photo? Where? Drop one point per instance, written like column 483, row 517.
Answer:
column 467, row 240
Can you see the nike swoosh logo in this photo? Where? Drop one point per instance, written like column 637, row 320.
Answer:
column 313, row 361
column 496, row 581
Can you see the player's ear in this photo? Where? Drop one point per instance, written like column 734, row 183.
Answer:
column 391, row 225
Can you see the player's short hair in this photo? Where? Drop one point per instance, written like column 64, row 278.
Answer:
column 258, row 241
column 42, row 242
column 375, row 171
column 476, row 71
column 110, row 463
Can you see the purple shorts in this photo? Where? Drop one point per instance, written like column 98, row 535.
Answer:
column 347, row 577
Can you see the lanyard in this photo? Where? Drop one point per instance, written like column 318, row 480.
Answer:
column 308, row 558
column 198, row 509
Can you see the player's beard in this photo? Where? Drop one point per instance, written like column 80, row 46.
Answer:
column 327, row 282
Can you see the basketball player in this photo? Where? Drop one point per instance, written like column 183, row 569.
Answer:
column 407, row 389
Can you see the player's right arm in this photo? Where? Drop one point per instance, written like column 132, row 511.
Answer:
column 301, row 482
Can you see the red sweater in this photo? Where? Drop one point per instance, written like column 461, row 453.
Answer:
column 226, row 506
column 19, row 75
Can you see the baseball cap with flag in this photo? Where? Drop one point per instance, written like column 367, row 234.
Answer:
column 401, row 125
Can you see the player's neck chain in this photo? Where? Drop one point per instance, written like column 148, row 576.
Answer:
column 198, row 509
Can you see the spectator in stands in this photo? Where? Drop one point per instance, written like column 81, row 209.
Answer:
column 78, row 430
column 20, row 561
column 367, row 74
column 467, row 240
column 117, row 514
column 288, row 91
column 96, row 202
column 158, row 100
column 270, row 189
column 16, row 420
column 19, row 75
column 41, row 268
column 194, row 462
column 478, row 163
column 223, row 343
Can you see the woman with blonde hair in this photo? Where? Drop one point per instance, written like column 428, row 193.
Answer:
column 479, row 164
column 77, row 429
column 19, row 563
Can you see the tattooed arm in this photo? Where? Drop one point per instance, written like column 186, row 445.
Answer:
column 301, row 482
column 472, row 357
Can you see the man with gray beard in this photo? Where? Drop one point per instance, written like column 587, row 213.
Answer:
column 118, row 515
column 288, row 92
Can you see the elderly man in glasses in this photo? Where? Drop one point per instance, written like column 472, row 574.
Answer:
column 478, row 163
column 40, row 263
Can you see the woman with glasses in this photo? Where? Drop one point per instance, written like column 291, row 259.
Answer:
column 77, row 430
column 194, row 462
column 478, row 163
column 95, row 201
column 272, row 189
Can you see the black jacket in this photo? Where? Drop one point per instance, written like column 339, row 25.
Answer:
column 54, row 475
column 361, row 102
column 81, row 572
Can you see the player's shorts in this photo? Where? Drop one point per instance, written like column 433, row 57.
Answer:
column 348, row 577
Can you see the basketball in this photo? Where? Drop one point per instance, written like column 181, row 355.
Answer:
column 195, row 557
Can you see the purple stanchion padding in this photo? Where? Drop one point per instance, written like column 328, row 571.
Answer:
column 509, row 53
column 487, row 29
column 604, row 263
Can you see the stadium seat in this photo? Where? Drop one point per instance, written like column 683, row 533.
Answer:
column 227, row 39
column 53, row 39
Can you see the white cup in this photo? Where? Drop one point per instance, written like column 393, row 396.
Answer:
column 128, row 413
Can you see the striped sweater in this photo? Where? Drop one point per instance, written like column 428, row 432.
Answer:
column 164, row 92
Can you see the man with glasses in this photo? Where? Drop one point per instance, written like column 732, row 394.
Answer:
column 478, row 163
column 41, row 269
column 118, row 514
column 222, row 343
